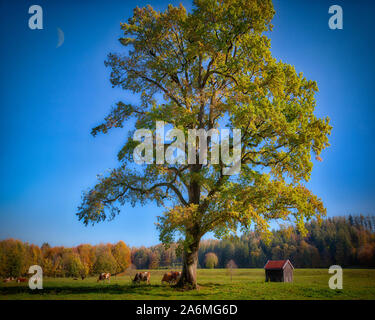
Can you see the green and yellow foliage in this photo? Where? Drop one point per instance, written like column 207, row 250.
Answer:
column 204, row 69
column 211, row 260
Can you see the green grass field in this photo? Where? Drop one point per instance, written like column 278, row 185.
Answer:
column 247, row 284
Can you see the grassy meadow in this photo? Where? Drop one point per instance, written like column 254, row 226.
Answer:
column 246, row 284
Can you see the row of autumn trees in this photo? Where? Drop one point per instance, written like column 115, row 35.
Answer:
column 16, row 257
column 346, row 241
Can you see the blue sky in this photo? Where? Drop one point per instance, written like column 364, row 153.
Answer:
column 50, row 98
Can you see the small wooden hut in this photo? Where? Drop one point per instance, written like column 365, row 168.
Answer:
column 279, row 271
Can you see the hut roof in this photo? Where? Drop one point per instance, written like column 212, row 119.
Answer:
column 277, row 264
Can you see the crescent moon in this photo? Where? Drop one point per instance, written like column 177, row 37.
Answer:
column 61, row 37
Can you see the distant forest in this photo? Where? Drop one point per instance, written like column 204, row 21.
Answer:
column 347, row 241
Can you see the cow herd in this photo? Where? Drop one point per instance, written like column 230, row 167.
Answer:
column 18, row 280
column 170, row 277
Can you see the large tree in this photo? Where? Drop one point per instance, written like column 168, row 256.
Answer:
column 198, row 70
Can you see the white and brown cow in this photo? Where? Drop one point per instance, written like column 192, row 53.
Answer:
column 142, row 277
column 104, row 276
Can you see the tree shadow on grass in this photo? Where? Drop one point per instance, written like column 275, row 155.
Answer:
column 115, row 289
column 212, row 285
column 66, row 289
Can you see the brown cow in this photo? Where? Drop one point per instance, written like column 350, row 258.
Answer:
column 21, row 280
column 104, row 276
column 142, row 276
column 171, row 277
column 176, row 275
column 167, row 277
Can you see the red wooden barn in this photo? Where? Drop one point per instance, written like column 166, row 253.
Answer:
column 279, row 271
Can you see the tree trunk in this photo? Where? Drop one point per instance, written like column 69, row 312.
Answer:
column 188, row 279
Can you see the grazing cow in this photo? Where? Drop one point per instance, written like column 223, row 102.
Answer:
column 167, row 277
column 176, row 275
column 104, row 276
column 21, row 280
column 171, row 277
column 142, row 276
column 83, row 277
